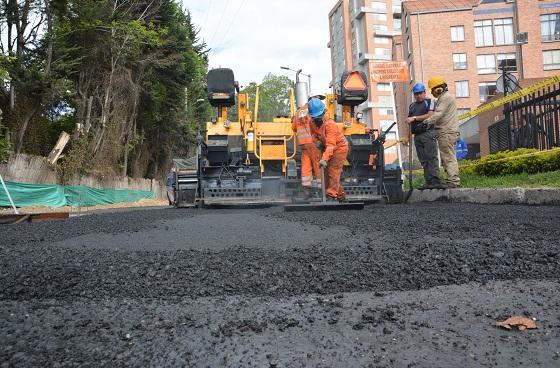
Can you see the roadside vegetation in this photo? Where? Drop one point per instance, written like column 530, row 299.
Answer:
column 524, row 168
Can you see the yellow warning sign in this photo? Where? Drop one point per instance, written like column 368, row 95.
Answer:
column 511, row 97
column 388, row 71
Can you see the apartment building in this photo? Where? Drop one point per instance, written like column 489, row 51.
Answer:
column 465, row 41
column 361, row 32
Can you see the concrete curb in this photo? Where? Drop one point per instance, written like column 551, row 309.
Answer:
column 533, row 196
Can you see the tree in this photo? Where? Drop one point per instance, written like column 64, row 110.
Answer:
column 274, row 96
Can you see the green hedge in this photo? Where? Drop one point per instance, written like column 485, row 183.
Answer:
column 506, row 163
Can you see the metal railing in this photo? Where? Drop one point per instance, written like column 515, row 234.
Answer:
column 530, row 122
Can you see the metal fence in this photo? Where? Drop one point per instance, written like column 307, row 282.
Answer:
column 530, row 122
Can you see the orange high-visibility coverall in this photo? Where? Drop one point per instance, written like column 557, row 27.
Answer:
column 304, row 128
column 336, row 150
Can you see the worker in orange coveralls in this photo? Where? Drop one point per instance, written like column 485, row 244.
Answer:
column 335, row 149
column 303, row 126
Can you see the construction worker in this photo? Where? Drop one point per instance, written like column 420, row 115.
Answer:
column 424, row 136
column 335, row 149
column 446, row 125
column 302, row 125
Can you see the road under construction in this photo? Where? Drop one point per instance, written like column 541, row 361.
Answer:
column 392, row 285
column 389, row 286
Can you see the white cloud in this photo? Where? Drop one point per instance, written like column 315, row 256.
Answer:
column 254, row 37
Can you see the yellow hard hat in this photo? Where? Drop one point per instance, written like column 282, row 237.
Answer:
column 435, row 82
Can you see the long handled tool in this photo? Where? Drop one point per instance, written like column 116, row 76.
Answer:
column 324, row 205
column 409, row 164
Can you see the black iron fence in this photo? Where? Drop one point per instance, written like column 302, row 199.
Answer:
column 530, row 122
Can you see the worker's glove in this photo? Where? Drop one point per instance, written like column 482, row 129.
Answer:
column 323, row 164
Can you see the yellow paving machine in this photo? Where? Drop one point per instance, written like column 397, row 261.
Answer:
column 250, row 162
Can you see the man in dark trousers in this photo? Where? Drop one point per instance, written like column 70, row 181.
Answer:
column 424, row 136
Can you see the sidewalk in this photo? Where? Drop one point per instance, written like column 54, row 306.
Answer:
column 529, row 196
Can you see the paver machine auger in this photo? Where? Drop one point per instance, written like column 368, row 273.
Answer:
column 249, row 162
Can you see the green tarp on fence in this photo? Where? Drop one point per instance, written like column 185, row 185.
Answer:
column 54, row 195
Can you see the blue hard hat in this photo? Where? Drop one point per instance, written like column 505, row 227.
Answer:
column 419, row 88
column 316, row 107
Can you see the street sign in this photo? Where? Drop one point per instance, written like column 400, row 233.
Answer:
column 354, row 82
column 389, row 71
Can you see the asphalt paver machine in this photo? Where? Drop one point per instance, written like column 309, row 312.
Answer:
column 250, row 162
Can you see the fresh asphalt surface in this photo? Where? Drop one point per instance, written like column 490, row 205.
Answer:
column 390, row 286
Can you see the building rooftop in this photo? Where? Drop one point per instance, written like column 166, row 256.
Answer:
column 438, row 5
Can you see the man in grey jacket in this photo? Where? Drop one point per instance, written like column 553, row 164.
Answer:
column 446, row 125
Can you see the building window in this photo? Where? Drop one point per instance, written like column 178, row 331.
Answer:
column 486, row 64
column 504, row 31
column 486, row 90
column 380, row 27
column 459, row 61
column 382, row 40
column 550, row 27
column 377, row 5
column 457, row 33
column 397, row 24
column 551, row 59
column 384, row 87
column 386, row 111
column 408, row 46
column 483, row 33
column 385, row 100
column 511, row 62
column 383, row 53
column 462, row 88
column 380, row 17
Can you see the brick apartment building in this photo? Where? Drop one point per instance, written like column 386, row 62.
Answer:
column 465, row 40
column 361, row 32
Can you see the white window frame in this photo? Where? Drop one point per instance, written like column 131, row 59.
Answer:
column 486, row 64
column 506, row 56
column 457, row 33
column 462, row 89
column 382, row 40
column 554, row 59
column 460, row 61
column 503, row 29
column 380, row 28
column 483, row 33
column 384, row 87
column 379, row 17
column 485, row 84
column 378, row 5
column 550, row 27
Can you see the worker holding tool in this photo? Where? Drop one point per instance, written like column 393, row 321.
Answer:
column 446, row 125
column 424, row 136
column 335, row 149
column 303, row 126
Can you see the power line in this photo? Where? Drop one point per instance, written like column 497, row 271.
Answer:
column 233, row 19
column 220, row 22
column 208, row 9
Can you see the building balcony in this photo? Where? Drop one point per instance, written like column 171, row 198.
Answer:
column 364, row 58
column 388, row 33
column 377, row 105
column 364, row 10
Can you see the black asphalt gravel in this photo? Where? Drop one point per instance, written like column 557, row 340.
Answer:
column 389, row 286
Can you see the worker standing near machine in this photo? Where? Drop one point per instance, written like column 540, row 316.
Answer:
column 304, row 128
column 446, row 125
column 335, row 149
column 424, row 136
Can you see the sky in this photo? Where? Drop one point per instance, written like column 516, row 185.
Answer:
column 255, row 37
